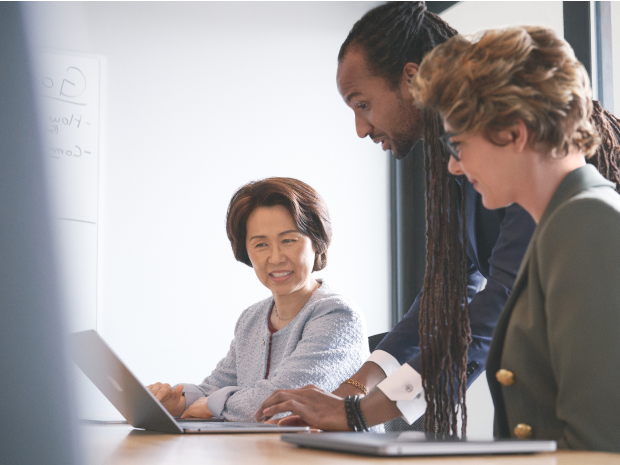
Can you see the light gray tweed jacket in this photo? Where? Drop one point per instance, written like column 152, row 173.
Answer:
column 323, row 345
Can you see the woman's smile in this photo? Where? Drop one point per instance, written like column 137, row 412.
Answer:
column 280, row 276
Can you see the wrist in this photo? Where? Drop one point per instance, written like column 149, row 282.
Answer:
column 357, row 385
column 377, row 408
column 369, row 375
column 208, row 411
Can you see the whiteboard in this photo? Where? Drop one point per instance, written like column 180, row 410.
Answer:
column 69, row 87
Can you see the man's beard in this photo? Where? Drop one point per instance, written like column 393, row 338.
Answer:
column 401, row 147
column 409, row 130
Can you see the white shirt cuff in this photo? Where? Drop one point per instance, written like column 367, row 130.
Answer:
column 217, row 400
column 386, row 361
column 191, row 392
column 405, row 387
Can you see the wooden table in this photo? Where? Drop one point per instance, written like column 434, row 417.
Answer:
column 121, row 444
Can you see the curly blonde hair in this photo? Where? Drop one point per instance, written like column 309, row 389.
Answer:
column 519, row 73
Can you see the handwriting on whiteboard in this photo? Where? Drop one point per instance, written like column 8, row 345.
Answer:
column 69, row 86
column 56, row 123
column 69, row 113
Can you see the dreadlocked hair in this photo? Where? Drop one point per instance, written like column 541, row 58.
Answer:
column 394, row 34
column 390, row 36
column 445, row 333
column 605, row 159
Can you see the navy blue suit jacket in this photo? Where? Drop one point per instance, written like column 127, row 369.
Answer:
column 496, row 243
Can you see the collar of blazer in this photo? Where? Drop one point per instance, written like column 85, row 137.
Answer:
column 582, row 178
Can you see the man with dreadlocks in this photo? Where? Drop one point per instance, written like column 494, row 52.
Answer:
column 424, row 365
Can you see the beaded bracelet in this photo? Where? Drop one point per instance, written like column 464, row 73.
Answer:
column 348, row 407
column 358, row 409
column 356, row 416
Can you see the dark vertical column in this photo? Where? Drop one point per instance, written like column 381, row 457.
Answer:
column 394, row 256
column 577, row 31
column 604, row 57
column 34, row 371
column 409, row 221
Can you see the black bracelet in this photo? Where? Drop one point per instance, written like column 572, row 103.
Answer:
column 355, row 415
column 359, row 415
column 348, row 407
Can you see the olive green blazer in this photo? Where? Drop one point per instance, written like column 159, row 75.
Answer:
column 558, row 336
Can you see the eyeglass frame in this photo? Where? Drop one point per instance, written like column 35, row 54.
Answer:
column 446, row 141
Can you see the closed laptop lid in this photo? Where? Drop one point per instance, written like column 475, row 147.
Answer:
column 413, row 443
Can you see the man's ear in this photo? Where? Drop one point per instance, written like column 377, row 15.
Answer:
column 409, row 71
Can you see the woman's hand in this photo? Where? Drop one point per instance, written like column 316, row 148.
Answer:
column 198, row 409
column 172, row 400
column 310, row 405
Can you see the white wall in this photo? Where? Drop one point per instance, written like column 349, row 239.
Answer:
column 198, row 99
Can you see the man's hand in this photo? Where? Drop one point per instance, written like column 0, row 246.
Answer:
column 198, row 409
column 310, row 406
column 316, row 408
column 369, row 375
column 172, row 400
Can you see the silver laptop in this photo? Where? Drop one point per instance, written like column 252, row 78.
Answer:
column 412, row 443
column 135, row 402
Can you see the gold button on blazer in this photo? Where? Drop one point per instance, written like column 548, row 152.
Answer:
column 505, row 377
column 523, row 431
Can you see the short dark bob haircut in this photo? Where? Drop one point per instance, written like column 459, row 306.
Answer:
column 305, row 205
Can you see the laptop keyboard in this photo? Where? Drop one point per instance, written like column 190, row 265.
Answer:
column 219, row 425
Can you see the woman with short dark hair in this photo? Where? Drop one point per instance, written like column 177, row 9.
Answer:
column 305, row 333
column 306, row 207
column 516, row 106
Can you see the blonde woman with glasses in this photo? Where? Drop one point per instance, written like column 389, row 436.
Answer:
column 516, row 107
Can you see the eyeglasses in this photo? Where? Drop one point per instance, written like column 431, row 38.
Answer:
column 451, row 147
